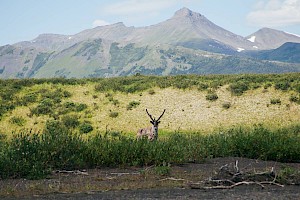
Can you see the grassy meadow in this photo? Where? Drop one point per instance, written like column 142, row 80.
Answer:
column 48, row 124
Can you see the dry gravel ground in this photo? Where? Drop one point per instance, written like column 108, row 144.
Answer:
column 146, row 183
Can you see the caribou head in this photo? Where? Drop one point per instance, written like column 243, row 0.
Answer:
column 151, row 132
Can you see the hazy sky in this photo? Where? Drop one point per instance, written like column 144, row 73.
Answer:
column 25, row 19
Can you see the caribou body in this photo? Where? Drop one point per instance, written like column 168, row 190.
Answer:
column 150, row 132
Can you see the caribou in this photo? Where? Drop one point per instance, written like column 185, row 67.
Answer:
column 150, row 132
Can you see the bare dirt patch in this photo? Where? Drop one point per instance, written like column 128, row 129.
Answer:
column 154, row 183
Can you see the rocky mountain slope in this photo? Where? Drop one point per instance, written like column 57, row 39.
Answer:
column 186, row 43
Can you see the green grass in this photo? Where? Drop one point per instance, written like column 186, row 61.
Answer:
column 33, row 155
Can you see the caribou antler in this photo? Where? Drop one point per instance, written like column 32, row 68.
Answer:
column 150, row 115
column 161, row 115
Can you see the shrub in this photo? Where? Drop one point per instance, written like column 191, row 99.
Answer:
column 113, row 114
column 151, row 92
column 29, row 98
column 211, row 97
column 80, row 107
column 45, row 107
column 115, row 102
column 162, row 170
column 284, row 85
column 66, row 94
column 226, row 105
column 275, row 101
column 70, row 121
column 69, row 105
column 297, row 88
column 238, row 88
column 202, row 86
column 20, row 121
column 85, row 127
column 295, row 99
column 267, row 85
column 132, row 104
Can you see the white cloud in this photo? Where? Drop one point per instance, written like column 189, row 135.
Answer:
column 275, row 13
column 100, row 22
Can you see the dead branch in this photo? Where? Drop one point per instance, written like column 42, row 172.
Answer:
column 172, row 179
column 230, row 176
column 125, row 173
column 76, row 172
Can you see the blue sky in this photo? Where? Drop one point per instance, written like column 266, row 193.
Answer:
column 25, row 19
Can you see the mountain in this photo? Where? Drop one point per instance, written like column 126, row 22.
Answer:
column 186, row 43
column 267, row 38
column 288, row 52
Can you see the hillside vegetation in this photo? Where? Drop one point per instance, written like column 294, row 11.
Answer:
column 193, row 103
column 49, row 124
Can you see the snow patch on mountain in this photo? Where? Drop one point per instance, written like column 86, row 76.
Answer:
column 252, row 38
column 240, row 49
column 293, row 34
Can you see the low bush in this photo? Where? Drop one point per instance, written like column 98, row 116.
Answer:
column 211, row 97
column 46, row 106
column 86, row 127
column 70, row 121
column 226, row 105
column 113, row 114
column 151, row 92
column 238, row 88
column 283, row 85
column 275, row 101
column 132, row 104
column 294, row 98
column 20, row 121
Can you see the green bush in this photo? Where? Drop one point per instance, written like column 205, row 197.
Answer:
column 238, row 88
column 20, row 121
column 70, row 121
column 132, row 104
column 202, row 86
column 284, row 85
column 66, row 94
column 113, row 114
column 162, row 170
column 226, row 105
column 80, row 107
column 45, row 107
column 211, row 97
column 85, row 127
column 294, row 98
column 275, row 101
column 29, row 98
column 267, row 85
column 151, row 92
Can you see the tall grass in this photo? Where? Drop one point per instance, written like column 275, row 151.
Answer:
column 35, row 155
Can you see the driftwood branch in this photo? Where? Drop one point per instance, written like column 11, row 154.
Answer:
column 172, row 179
column 125, row 173
column 230, row 176
column 76, row 172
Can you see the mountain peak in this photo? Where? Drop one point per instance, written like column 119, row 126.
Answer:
column 185, row 12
